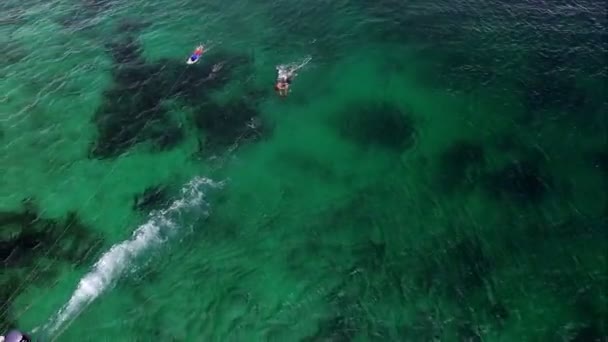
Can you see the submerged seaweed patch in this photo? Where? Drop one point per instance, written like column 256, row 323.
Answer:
column 26, row 240
column 133, row 111
column 230, row 123
column 461, row 164
column 378, row 124
column 519, row 180
column 26, row 236
column 154, row 197
column 457, row 285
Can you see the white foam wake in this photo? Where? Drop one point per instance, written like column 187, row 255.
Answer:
column 119, row 257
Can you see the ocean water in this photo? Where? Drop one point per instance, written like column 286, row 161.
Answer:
column 437, row 173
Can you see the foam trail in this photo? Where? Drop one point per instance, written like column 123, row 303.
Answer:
column 119, row 257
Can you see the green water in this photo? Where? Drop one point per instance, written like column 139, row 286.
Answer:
column 438, row 171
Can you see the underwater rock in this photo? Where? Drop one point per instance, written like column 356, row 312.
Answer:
column 154, row 197
column 461, row 164
column 378, row 124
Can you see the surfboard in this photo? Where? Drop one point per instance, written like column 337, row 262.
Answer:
column 190, row 61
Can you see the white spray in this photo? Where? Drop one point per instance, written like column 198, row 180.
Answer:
column 119, row 257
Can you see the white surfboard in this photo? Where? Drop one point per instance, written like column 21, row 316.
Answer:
column 190, row 61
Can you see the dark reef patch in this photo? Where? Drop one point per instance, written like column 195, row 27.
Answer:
column 600, row 160
column 590, row 333
column 461, row 282
column 379, row 124
column 27, row 240
column 125, row 52
column 461, row 165
column 213, row 72
column 133, row 109
column 24, row 232
column 153, row 198
column 224, row 125
column 523, row 181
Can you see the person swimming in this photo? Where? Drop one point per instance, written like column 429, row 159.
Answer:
column 15, row 336
column 285, row 75
column 284, row 78
column 196, row 55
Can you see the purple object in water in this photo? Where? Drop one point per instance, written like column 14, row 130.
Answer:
column 16, row 336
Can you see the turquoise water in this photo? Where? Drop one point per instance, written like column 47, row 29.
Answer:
column 438, row 171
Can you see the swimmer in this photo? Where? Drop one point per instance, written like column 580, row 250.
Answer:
column 285, row 75
column 284, row 78
column 15, row 336
column 196, row 55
